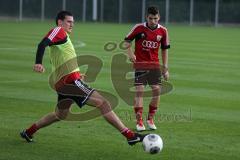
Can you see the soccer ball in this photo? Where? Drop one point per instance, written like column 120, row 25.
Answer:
column 152, row 143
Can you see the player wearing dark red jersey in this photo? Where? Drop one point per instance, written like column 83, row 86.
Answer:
column 149, row 37
column 61, row 51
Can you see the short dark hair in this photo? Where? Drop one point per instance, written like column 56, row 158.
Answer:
column 152, row 10
column 62, row 14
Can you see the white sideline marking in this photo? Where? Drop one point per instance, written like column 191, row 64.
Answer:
column 77, row 44
column 17, row 49
column 14, row 81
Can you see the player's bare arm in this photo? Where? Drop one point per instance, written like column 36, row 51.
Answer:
column 130, row 53
column 165, row 71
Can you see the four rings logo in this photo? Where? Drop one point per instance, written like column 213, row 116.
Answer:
column 149, row 44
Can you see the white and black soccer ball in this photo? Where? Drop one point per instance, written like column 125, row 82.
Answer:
column 152, row 143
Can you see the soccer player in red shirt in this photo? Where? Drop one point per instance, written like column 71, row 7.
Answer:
column 61, row 51
column 149, row 37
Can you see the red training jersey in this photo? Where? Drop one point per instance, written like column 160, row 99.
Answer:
column 147, row 44
column 58, row 36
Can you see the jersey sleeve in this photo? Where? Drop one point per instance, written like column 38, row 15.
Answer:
column 133, row 33
column 165, row 41
column 56, row 35
column 41, row 49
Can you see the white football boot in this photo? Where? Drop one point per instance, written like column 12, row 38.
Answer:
column 140, row 126
column 151, row 124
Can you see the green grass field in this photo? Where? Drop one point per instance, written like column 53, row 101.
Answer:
column 200, row 117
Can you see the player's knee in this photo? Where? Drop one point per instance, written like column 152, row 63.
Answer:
column 156, row 89
column 105, row 105
column 61, row 115
column 140, row 88
column 139, row 93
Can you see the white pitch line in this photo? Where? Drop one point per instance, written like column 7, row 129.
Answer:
column 14, row 48
column 14, row 81
column 79, row 44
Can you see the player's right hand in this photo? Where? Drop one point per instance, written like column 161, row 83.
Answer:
column 132, row 58
column 166, row 76
column 38, row 68
column 83, row 76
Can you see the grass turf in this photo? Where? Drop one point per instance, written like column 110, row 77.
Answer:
column 199, row 118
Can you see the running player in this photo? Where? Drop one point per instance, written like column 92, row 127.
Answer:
column 61, row 51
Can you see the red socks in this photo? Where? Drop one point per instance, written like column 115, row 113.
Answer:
column 128, row 133
column 138, row 112
column 152, row 111
column 30, row 131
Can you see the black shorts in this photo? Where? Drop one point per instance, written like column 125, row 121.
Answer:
column 78, row 91
column 147, row 76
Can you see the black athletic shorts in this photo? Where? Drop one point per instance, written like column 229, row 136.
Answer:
column 147, row 76
column 77, row 91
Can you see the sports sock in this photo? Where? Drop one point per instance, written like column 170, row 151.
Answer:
column 31, row 130
column 152, row 111
column 128, row 133
column 138, row 112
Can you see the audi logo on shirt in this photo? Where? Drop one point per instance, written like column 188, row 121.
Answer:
column 149, row 44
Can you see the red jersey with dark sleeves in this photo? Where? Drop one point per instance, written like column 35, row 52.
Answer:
column 57, row 36
column 147, row 44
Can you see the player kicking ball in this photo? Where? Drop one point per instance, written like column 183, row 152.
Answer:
column 61, row 51
column 149, row 37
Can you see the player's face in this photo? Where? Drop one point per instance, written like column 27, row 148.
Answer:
column 153, row 20
column 67, row 24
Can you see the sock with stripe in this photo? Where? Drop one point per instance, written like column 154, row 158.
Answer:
column 152, row 111
column 128, row 133
column 31, row 130
column 138, row 111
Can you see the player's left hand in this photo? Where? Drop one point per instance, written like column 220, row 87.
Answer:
column 166, row 76
column 83, row 76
